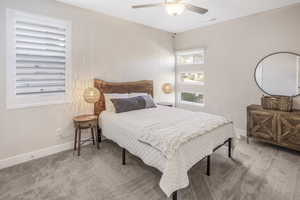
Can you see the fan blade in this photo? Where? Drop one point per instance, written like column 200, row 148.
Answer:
column 196, row 9
column 148, row 5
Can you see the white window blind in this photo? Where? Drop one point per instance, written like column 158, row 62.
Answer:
column 38, row 60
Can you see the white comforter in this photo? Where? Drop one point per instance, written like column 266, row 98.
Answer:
column 168, row 129
column 127, row 128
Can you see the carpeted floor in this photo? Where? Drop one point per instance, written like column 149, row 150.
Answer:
column 259, row 171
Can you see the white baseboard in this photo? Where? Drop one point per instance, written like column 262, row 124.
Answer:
column 25, row 157
column 240, row 132
column 21, row 158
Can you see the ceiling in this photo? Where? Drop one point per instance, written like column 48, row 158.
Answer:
column 220, row 10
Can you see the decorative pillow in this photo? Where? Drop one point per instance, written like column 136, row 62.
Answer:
column 129, row 104
column 149, row 102
column 108, row 104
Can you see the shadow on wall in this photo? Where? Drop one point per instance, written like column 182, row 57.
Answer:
column 79, row 105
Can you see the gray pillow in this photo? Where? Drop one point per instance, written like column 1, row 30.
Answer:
column 149, row 101
column 128, row 104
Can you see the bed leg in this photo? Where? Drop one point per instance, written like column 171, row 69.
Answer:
column 229, row 147
column 174, row 195
column 124, row 157
column 97, row 139
column 99, row 134
column 208, row 166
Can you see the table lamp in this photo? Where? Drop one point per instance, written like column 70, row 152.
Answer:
column 167, row 88
column 91, row 95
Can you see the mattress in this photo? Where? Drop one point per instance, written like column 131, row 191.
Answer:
column 118, row 128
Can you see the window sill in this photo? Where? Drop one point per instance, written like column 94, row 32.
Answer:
column 187, row 65
column 191, row 104
column 32, row 105
column 192, row 83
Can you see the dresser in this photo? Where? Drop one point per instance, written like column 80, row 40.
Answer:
column 275, row 127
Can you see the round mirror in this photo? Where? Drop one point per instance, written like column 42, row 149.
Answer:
column 279, row 74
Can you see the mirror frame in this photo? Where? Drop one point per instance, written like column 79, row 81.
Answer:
column 261, row 60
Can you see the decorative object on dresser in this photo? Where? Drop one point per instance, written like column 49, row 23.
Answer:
column 273, row 126
column 85, row 122
column 283, row 103
column 275, row 121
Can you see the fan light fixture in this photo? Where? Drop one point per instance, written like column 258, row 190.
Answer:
column 175, row 9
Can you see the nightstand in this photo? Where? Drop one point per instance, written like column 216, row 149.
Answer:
column 165, row 104
column 85, row 122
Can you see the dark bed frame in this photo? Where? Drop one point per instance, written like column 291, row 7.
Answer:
column 139, row 87
column 229, row 141
column 174, row 195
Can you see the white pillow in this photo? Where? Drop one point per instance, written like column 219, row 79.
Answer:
column 108, row 104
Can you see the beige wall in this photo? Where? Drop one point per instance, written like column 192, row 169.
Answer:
column 117, row 50
column 233, row 49
column 103, row 47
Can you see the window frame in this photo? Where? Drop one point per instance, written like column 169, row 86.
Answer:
column 191, row 52
column 190, row 102
column 195, row 83
column 14, row 101
column 181, row 86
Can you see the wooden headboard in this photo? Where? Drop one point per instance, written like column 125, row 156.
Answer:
column 145, row 86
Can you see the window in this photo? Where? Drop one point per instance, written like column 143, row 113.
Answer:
column 190, row 57
column 38, row 60
column 190, row 76
column 191, row 97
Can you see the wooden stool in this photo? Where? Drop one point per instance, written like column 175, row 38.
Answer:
column 85, row 122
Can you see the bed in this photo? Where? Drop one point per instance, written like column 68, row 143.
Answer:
column 125, row 130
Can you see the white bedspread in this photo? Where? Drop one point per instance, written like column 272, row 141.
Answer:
column 168, row 129
column 126, row 128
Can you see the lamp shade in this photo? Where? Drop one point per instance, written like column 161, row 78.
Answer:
column 167, row 88
column 91, row 95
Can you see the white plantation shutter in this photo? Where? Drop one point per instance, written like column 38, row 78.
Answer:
column 38, row 60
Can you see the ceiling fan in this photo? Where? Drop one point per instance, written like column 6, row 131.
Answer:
column 175, row 7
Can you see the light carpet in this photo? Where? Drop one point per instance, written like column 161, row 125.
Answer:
column 258, row 171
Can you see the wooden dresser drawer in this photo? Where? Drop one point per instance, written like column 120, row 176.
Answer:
column 272, row 126
column 289, row 131
column 263, row 125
